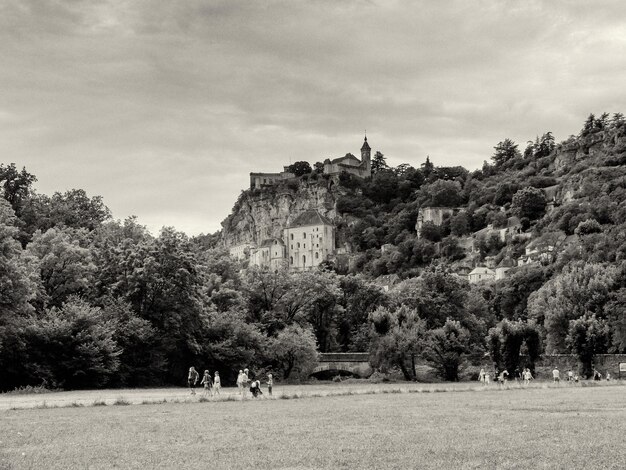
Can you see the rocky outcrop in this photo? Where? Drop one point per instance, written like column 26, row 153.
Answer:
column 264, row 213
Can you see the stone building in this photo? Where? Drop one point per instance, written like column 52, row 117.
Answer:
column 309, row 240
column 241, row 251
column 481, row 274
column 271, row 254
column 351, row 164
column 258, row 180
column 436, row 215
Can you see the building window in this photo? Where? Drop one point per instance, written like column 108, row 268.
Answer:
column 291, row 260
column 318, row 245
column 292, row 247
column 292, row 236
column 303, row 260
column 303, row 234
column 304, row 245
column 317, row 255
column 320, row 240
column 298, row 245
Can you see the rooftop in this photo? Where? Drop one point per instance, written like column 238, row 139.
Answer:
column 310, row 217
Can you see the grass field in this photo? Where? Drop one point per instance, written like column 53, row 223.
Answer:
column 362, row 426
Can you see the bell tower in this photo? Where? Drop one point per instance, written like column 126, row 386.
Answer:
column 366, row 156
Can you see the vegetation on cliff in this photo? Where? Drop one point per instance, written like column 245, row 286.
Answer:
column 88, row 301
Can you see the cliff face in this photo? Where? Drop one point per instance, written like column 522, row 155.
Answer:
column 264, row 213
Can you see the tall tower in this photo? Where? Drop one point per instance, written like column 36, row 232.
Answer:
column 366, row 156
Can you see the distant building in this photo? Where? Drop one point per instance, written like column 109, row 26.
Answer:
column 436, row 215
column 503, row 267
column 481, row 274
column 258, row 180
column 241, row 251
column 309, row 240
column 270, row 254
column 351, row 164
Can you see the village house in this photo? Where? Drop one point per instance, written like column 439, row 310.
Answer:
column 481, row 274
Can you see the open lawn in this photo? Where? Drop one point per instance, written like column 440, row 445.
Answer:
column 361, row 426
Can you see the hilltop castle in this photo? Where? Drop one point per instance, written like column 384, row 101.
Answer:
column 308, row 239
column 348, row 164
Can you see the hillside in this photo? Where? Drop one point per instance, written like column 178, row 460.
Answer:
column 580, row 179
column 434, row 264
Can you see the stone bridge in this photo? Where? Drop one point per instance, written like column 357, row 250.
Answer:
column 353, row 363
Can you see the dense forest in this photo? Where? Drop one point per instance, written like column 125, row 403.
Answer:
column 88, row 301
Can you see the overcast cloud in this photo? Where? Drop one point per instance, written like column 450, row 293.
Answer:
column 163, row 108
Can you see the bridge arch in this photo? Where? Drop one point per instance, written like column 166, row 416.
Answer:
column 356, row 364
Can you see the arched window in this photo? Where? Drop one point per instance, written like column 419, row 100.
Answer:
column 298, row 245
column 292, row 236
column 316, row 255
column 303, row 260
column 291, row 260
column 303, row 234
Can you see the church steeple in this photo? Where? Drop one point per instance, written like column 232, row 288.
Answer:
column 365, row 145
column 366, row 151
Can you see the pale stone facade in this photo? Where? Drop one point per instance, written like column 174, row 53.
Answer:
column 435, row 215
column 309, row 240
column 270, row 254
column 481, row 274
column 242, row 251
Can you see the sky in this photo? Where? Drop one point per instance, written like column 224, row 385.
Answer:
column 163, row 108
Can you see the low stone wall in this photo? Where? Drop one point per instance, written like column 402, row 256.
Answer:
column 543, row 367
column 603, row 363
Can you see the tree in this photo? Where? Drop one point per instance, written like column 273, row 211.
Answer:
column 379, row 163
column 587, row 227
column 66, row 266
column 506, row 340
column 71, row 347
column 504, row 193
column 294, row 351
column 505, row 151
column 445, row 349
column 443, row 193
column 427, row 167
column 318, row 167
column 397, row 339
column 578, row 290
column 16, row 185
column 459, row 224
column 430, row 231
column 300, row 168
column 528, row 202
column 588, row 336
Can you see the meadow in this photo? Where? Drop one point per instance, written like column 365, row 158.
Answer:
column 324, row 426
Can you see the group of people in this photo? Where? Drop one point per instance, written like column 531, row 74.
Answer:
column 526, row 376
column 213, row 385
column 503, row 376
column 245, row 384
column 571, row 377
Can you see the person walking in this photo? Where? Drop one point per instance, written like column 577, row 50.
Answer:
column 217, row 383
column 207, row 381
column 192, row 379
column 556, row 375
column 270, row 384
column 240, row 381
column 245, row 383
column 481, row 376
